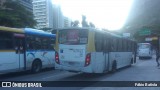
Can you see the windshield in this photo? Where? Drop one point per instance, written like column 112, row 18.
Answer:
column 73, row 36
column 144, row 46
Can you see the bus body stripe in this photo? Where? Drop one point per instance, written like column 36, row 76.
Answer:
column 11, row 29
column 7, row 50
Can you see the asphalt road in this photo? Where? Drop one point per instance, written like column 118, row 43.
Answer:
column 143, row 70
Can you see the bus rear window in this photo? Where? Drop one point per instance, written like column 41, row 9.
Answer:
column 73, row 36
column 143, row 46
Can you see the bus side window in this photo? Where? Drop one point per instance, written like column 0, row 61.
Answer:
column 98, row 42
column 127, row 44
column 44, row 43
column 48, row 43
column 114, row 44
column 37, row 43
column 120, row 44
column 130, row 46
column 123, row 45
column 31, row 42
column 106, row 44
column 51, row 43
column 6, row 41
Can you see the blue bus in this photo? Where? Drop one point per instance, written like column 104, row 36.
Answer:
column 25, row 49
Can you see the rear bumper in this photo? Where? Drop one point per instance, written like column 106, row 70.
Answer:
column 145, row 55
column 74, row 69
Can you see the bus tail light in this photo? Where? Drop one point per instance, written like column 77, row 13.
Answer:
column 57, row 57
column 88, row 59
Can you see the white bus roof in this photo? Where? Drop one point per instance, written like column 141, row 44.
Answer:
column 94, row 29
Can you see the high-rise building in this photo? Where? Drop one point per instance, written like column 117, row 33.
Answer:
column 43, row 13
column 67, row 22
column 58, row 18
column 143, row 13
column 27, row 4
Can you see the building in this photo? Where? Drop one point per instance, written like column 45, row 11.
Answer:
column 1, row 3
column 143, row 13
column 67, row 22
column 27, row 4
column 43, row 13
column 58, row 17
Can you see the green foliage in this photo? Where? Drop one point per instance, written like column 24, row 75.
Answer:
column 15, row 15
column 91, row 25
column 75, row 23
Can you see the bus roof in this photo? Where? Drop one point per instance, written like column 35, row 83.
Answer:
column 90, row 28
column 73, row 28
column 94, row 29
column 2, row 28
column 38, row 32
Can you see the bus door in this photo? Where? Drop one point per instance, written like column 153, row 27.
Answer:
column 20, row 49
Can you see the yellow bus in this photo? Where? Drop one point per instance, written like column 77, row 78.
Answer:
column 92, row 51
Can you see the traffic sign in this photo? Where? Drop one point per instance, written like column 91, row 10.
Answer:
column 144, row 32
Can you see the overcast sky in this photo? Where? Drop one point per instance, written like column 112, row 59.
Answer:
column 109, row 14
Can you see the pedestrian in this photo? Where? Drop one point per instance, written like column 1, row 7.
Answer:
column 157, row 57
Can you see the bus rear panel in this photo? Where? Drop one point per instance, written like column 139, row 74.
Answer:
column 72, row 54
column 144, row 50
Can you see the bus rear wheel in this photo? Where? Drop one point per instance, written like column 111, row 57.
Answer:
column 36, row 66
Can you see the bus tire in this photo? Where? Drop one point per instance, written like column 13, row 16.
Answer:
column 36, row 66
column 114, row 66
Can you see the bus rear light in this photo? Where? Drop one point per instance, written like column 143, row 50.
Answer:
column 88, row 59
column 57, row 57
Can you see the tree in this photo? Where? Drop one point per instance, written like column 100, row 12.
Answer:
column 46, row 29
column 91, row 25
column 75, row 23
column 84, row 22
column 13, row 14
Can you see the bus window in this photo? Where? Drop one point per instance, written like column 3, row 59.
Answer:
column 124, row 45
column 119, row 41
column 114, row 45
column 73, row 36
column 144, row 46
column 106, row 44
column 31, row 42
column 45, row 43
column 6, row 41
column 128, row 48
column 51, row 43
column 37, row 43
column 98, row 42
